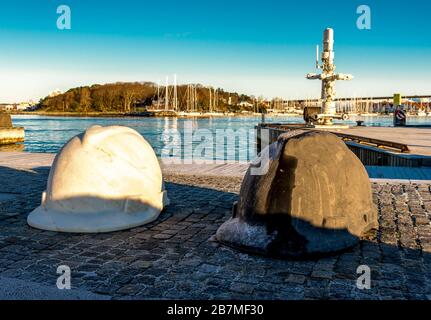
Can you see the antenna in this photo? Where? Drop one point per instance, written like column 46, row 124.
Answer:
column 317, row 57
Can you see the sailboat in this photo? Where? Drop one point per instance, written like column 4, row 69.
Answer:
column 213, row 104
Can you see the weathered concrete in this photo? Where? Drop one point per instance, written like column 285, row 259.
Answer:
column 25, row 160
column 9, row 134
column 315, row 198
column 417, row 139
column 5, row 120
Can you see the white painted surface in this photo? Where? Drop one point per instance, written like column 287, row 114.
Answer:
column 106, row 179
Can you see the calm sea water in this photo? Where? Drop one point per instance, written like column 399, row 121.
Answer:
column 49, row 134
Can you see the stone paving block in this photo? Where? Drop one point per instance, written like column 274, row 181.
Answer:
column 295, row 278
column 174, row 258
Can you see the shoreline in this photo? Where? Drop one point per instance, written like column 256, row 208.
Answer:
column 145, row 115
column 175, row 115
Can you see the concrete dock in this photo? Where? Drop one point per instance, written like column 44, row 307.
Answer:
column 374, row 146
column 417, row 139
column 25, row 160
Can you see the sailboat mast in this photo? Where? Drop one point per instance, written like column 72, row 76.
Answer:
column 210, row 109
column 216, row 100
column 188, row 98
column 175, row 93
column 195, row 107
column 158, row 94
column 167, row 94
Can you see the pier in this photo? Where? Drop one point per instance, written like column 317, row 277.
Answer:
column 380, row 174
column 414, row 104
column 375, row 146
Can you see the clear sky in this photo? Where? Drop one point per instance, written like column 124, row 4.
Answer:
column 260, row 47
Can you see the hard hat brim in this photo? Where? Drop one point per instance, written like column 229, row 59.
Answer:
column 101, row 222
column 255, row 239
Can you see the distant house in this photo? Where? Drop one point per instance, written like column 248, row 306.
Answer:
column 7, row 107
column 22, row 106
column 156, row 105
column 245, row 104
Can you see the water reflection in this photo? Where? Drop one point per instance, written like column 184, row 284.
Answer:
column 48, row 134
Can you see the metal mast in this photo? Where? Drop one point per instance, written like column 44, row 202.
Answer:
column 328, row 77
column 211, row 101
column 167, row 94
column 158, row 94
column 175, row 93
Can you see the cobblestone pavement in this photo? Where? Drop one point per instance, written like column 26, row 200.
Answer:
column 174, row 258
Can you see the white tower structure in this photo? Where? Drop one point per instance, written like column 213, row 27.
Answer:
column 328, row 77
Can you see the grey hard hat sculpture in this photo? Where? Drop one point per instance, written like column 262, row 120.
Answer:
column 315, row 199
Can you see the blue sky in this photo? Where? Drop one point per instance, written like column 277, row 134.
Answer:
column 255, row 47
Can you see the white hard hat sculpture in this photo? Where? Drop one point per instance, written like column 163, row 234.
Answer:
column 105, row 179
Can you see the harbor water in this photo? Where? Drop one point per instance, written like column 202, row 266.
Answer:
column 46, row 134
